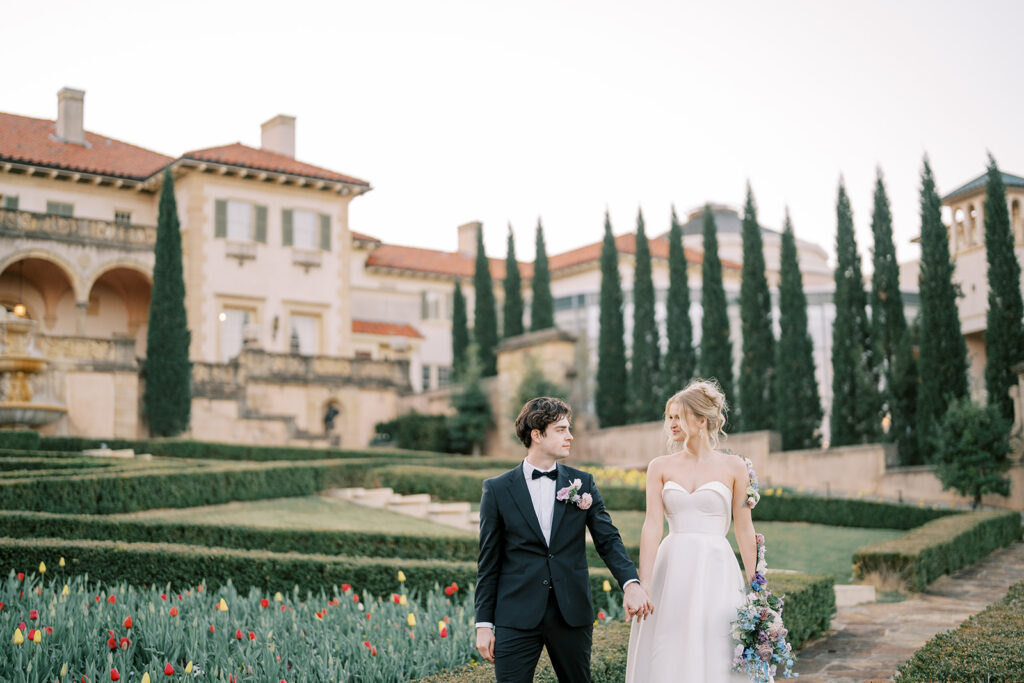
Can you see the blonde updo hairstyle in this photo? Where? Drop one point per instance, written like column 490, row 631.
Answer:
column 702, row 398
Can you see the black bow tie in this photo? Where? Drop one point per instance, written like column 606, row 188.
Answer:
column 550, row 474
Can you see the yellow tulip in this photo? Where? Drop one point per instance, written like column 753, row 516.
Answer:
column 188, row 667
column 278, row 597
column 411, row 619
column 401, row 576
column 222, row 605
column 145, row 677
column 37, row 637
column 61, row 564
column 42, row 567
column 64, row 670
column 606, row 586
column 66, row 590
column 18, row 639
column 402, row 600
column 441, row 625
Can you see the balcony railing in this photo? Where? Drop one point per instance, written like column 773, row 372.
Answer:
column 90, row 231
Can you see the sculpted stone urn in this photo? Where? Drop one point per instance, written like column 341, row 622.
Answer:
column 19, row 362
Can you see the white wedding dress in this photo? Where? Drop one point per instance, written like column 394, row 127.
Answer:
column 696, row 588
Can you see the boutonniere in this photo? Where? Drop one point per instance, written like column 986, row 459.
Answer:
column 571, row 494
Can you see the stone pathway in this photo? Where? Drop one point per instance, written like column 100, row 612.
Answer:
column 868, row 642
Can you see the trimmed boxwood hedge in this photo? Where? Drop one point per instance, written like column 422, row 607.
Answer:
column 810, row 603
column 23, row 439
column 939, row 547
column 788, row 507
column 986, row 647
column 182, row 566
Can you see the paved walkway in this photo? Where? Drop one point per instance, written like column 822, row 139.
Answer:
column 868, row 642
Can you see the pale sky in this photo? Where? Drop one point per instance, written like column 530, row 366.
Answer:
column 503, row 112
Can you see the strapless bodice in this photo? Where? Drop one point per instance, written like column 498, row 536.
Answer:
column 707, row 510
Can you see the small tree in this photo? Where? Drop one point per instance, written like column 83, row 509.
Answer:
column 167, row 400
column 611, row 343
column 460, row 333
column 971, row 450
column 903, row 394
column 715, row 346
column 513, row 308
column 467, row 429
column 1004, row 335
column 680, row 358
column 542, row 308
column 485, row 315
column 798, row 411
column 645, row 399
column 535, row 383
column 756, row 406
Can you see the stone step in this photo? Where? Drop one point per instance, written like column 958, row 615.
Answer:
column 110, row 453
column 449, row 508
column 415, row 505
column 848, row 595
column 344, row 494
column 377, row 498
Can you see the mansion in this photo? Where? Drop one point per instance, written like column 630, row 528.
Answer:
column 293, row 314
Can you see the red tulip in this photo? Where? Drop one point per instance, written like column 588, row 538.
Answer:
column 367, row 615
column 211, row 628
column 355, row 598
column 448, row 590
column 601, row 615
column 114, row 676
column 345, row 587
column 125, row 643
column 31, row 633
column 444, row 633
column 264, row 603
column 97, row 598
column 163, row 596
column 33, row 614
column 127, row 622
column 174, row 611
column 179, row 596
column 49, row 630
column 455, row 587
column 1, row 606
column 168, row 670
column 396, row 597
column 373, row 651
column 238, row 634
column 112, row 643
column 252, row 636
column 366, row 643
column 111, row 599
column 21, row 576
column 22, row 626
column 283, row 608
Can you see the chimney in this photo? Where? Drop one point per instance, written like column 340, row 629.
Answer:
column 70, row 111
column 279, row 135
column 467, row 238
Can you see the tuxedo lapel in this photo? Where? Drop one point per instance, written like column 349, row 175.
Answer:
column 560, row 505
column 521, row 497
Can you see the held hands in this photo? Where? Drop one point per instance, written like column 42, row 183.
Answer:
column 485, row 642
column 636, row 602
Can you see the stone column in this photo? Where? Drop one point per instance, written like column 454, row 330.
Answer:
column 83, row 309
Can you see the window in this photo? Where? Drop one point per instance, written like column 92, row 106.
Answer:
column 430, row 306
column 305, row 230
column 305, row 334
column 60, row 209
column 364, row 355
column 123, row 217
column 426, row 377
column 240, row 221
column 443, row 375
column 232, row 332
column 11, row 202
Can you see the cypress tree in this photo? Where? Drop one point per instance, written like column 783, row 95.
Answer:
column 888, row 322
column 855, row 400
column 513, row 309
column 756, row 365
column 542, row 308
column 167, row 399
column 460, row 333
column 942, row 361
column 485, row 316
column 798, row 410
column 715, row 346
column 645, row 401
column 1004, row 338
column 680, row 359
column 611, row 345
column 903, row 392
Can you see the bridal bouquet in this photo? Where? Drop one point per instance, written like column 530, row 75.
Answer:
column 758, row 631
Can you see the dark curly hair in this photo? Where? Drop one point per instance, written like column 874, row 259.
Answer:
column 538, row 413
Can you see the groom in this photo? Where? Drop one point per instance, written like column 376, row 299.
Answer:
column 533, row 587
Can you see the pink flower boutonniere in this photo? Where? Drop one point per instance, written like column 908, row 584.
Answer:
column 571, row 494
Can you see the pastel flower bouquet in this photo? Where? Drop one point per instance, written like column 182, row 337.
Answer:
column 571, row 494
column 760, row 636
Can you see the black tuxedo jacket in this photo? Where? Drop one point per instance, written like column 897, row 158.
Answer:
column 516, row 569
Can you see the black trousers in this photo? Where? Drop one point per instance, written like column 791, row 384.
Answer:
column 516, row 651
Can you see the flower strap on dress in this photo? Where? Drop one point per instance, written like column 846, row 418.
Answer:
column 753, row 488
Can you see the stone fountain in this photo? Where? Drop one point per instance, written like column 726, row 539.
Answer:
column 20, row 362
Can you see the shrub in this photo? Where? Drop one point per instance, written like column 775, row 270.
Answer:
column 787, row 507
column 416, row 430
column 986, row 647
column 939, row 547
column 22, row 439
column 970, row 450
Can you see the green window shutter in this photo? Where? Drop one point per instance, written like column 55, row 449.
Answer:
column 325, row 232
column 220, row 223
column 261, row 224
column 423, row 306
column 286, row 227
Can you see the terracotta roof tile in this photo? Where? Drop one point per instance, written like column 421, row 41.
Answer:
column 626, row 244
column 363, row 237
column 32, row 141
column 386, row 329
column 238, row 154
column 437, row 262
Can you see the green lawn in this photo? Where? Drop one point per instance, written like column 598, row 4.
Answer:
column 810, row 548
column 309, row 512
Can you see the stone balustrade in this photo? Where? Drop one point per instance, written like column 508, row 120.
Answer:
column 90, row 231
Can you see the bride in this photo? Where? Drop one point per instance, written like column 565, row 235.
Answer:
column 692, row 576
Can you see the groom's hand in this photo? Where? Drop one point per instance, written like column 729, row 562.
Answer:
column 636, row 602
column 485, row 642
